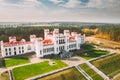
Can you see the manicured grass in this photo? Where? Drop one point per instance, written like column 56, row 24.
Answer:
column 69, row 74
column 28, row 71
column 109, row 65
column 15, row 61
column 91, row 72
column 91, row 52
column 87, row 47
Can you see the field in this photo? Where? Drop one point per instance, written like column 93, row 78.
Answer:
column 28, row 71
column 117, row 78
column 109, row 65
column 88, row 52
column 105, row 43
column 91, row 72
column 15, row 61
column 70, row 74
column 4, row 76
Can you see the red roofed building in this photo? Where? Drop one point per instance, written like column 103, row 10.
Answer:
column 53, row 43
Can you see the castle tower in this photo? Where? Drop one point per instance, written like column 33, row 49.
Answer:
column 46, row 32
column 12, row 39
column 83, row 39
column 78, row 41
column 2, row 49
column 67, row 34
column 39, row 47
column 56, row 33
column 73, row 33
column 32, row 38
column 56, row 40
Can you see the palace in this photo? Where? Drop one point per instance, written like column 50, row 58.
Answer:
column 52, row 43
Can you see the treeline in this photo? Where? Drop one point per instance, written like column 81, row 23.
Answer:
column 110, row 32
column 25, row 32
column 89, row 31
column 106, row 31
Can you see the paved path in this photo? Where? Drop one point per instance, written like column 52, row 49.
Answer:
column 74, row 61
column 98, row 71
column 83, row 72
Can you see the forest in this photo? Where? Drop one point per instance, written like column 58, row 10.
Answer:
column 25, row 32
column 106, row 31
column 109, row 32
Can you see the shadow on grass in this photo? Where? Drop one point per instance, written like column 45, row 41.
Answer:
column 2, row 63
column 87, row 51
column 5, row 60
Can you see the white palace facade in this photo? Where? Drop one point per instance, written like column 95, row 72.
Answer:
column 52, row 43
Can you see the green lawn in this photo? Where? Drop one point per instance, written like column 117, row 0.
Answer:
column 15, row 61
column 91, row 52
column 109, row 65
column 24, row 72
column 91, row 72
column 69, row 74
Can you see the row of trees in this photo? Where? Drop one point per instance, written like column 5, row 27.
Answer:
column 106, row 31
column 25, row 32
column 110, row 32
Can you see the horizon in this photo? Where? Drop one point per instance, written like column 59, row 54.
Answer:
column 88, row 11
column 62, row 22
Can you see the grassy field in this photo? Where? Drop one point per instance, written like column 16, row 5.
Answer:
column 70, row 74
column 104, row 43
column 91, row 72
column 4, row 76
column 15, row 61
column 28, row 71
column 109, row 65
column 91, row 52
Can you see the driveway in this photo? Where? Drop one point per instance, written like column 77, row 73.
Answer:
column 74, row 61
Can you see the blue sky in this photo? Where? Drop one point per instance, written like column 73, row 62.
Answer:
column 60, row 10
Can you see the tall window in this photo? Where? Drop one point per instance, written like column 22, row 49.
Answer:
column 22, row 47
column 9, row 53
column 6, row 49
column 22, row 51
column 40, row 52
column 15, row 53
column 6, row 54
column 9, row 49
column 14, row 48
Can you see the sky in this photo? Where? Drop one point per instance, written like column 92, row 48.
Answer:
column 60, row 10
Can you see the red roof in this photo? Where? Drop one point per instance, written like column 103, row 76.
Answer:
column 47, row 41
column 72, row 38
column 15, row 43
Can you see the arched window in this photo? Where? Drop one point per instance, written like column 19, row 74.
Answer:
column 40, row 52
column 14, row 48
column 6, row 49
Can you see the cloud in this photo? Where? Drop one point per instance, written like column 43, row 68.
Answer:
column 91, row 4
column 60, row 10
column 57, row 1
column 72, row 4
column 21, row 3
